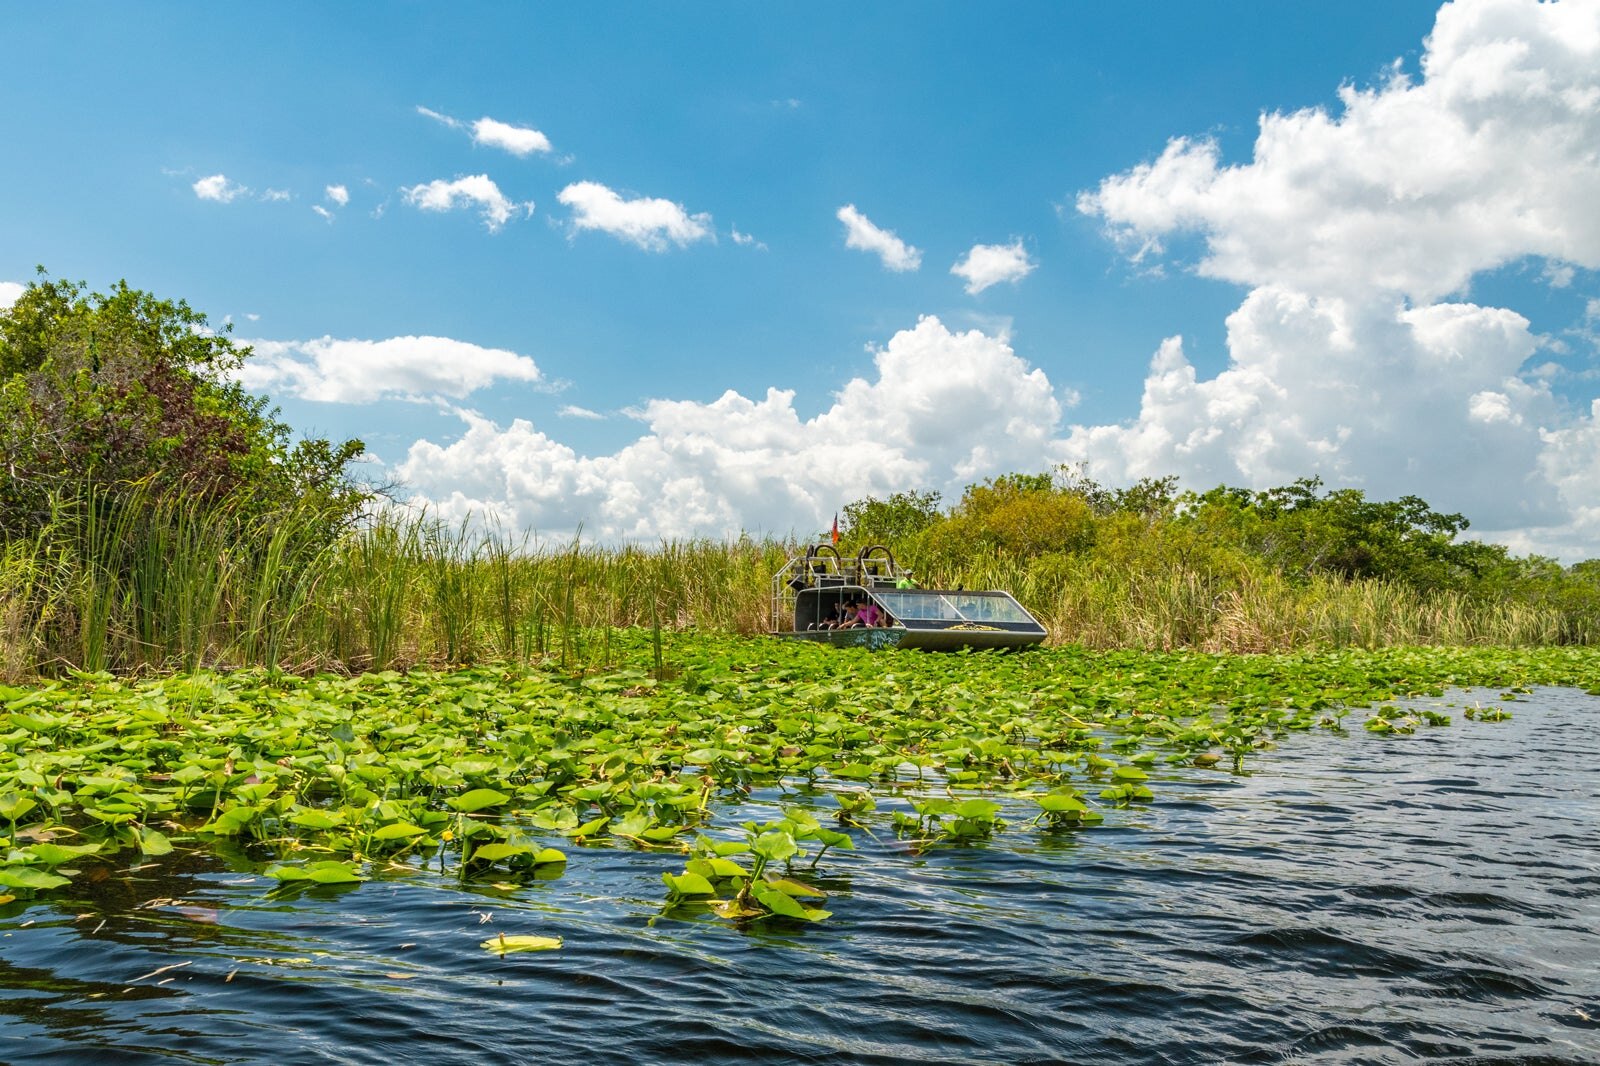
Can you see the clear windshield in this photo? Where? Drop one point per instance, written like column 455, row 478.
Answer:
column 953, row 606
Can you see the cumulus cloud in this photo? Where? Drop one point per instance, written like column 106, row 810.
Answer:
column 990, row 264
column 859, row 232
column 10, row 291
column 477, row 190
column 650, row 223
column 422, row 369
column 1398, row 401
column 1414, row 187
column 218, row 188
column 943, row 408
column 1349, row 358
column 337, row 194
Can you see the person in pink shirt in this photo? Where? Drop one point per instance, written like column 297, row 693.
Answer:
column 868, row 614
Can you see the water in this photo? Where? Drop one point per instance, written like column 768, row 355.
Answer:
column 1356, row 899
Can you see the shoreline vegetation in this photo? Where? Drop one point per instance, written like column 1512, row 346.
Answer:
column 155, row 516
column 141, row 582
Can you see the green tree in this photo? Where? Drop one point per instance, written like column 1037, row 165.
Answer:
column 99, row 391
column 1019, row 516
column 1301, row 530
column 894, row 521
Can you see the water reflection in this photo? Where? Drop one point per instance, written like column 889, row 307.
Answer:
column 1357, row 899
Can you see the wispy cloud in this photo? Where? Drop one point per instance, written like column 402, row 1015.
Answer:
column 746, row 240
column 990, row 264
column 218, row 188
column 574, row 411
column 860, row 233
column 648, row 222
column 276, row 196
column 474, row 190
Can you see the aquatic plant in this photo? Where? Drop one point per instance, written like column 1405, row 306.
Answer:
column 504, row 773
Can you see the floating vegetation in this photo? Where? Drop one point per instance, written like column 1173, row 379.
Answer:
column 479, row 774
column 510, row 945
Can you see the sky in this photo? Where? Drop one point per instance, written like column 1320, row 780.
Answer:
column 672, row 271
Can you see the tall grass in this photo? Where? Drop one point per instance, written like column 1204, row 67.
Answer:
column 137, row 583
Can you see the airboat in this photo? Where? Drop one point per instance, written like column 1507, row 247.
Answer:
column 813, row 590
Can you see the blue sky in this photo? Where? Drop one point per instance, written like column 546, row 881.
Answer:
column 1380, row 264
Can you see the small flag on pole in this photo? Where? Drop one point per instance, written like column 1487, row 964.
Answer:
column 836, row 528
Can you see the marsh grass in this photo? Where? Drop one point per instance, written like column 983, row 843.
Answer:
column 137, row 583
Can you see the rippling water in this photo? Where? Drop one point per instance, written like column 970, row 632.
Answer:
column 1356, row 899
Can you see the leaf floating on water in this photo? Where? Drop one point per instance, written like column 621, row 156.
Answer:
column 507, row 945
column 688, row 884
column 153, row 842
column 28, row 877
column 322, row 873
column 479, row 799
column 399, row 831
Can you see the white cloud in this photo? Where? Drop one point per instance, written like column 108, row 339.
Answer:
column 217, row 187
column 1425, row 401
column 323, row 212
column 1350, row 229
column 1414, row 187
column 276, row 196
column 475, row 189
column 337, row 194
column 943, row 409
column 745, row 240
column 990, row 264
column 518, row 140
column 446, row 120
column 574, row 411
column 364, row 371
column 647, row 222
column 10, row 292
column 860, row 233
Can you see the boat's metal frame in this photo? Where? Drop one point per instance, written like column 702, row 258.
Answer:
column 810, row 584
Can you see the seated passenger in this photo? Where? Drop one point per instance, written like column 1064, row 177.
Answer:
column 868, row 614
column 849, row 617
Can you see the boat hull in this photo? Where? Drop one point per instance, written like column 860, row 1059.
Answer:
column 951, row 639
